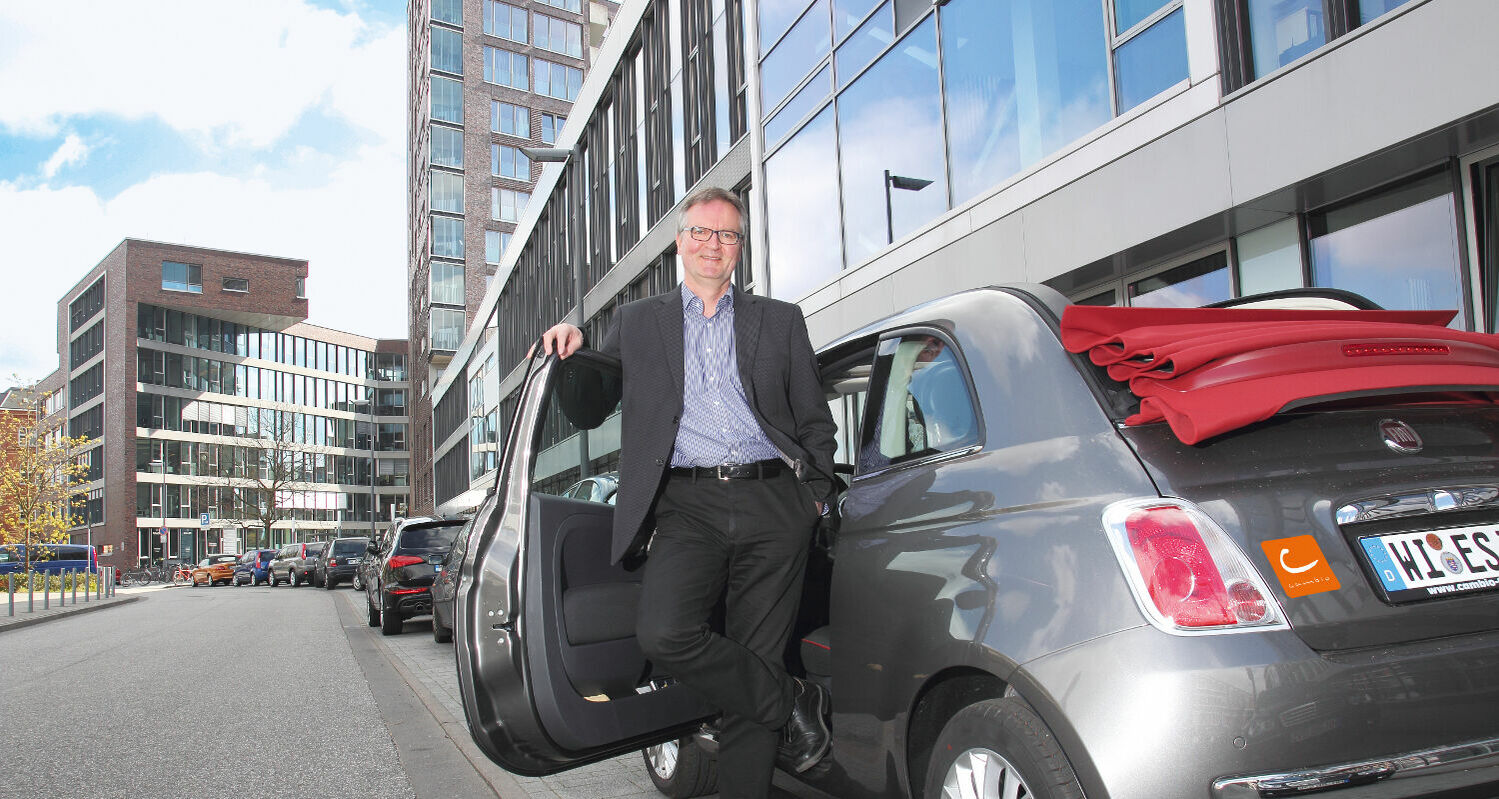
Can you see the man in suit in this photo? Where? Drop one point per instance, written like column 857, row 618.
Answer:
column 727, row 457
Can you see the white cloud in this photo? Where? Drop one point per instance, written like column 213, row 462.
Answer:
column 72, row 151
column 235, row 79
column 229, row 73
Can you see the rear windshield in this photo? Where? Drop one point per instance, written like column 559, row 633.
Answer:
column 428, row 538
column 223, row 558
column 348, row 547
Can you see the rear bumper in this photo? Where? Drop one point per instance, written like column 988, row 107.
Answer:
column 1261, row 715
column 1410, row 774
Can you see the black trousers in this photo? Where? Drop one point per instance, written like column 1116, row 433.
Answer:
column 744, row 541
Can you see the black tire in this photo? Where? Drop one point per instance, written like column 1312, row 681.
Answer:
column 294, row 578
column 329, row 585
column 373, row 611
column 358, row 582
column 441, row 634
column 681, row 769
column 391, row 622
column 1003, row 734
column 270, row 578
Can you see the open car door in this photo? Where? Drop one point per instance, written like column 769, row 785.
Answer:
column 544, row 625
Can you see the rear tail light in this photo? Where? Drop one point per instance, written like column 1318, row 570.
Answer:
column 333, row 561
column 405, row 560
column 1185, row 572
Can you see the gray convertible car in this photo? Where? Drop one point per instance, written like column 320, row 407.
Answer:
column 1199, row 554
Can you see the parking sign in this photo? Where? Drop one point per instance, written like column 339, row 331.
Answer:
column 203, row 520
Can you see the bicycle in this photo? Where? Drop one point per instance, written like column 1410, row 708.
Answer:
column 182, row 575
column 143, row 575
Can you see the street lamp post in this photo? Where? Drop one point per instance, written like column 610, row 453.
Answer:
column 905, row 184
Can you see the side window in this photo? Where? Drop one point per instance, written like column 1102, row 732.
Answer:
column 580, row 432
column 920, row 404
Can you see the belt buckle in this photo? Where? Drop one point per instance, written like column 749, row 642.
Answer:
column 722, row 471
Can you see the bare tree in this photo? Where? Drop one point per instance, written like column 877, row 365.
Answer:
column 268, row 472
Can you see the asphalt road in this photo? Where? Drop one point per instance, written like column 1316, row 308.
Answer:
column 194, row 692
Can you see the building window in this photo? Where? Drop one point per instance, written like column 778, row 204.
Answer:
column 801, row 183
column 509, row 162
column 575, row 6
column 806, row 44
column 86, row 346
column 82, row 309
column 508, row 204
column 447, row 192
column 238, row 285
column 1399, row 248
column 1150, row 55
column 559, row 36
column 447, row 98
column 504, row 68
column 551, row 125
column 446, row 329
column 1262, row 36
column 447, row 283
column 447, row 50
column 447, row 147
column 493, row 246
column 450, row 11
column 558, row 80
column 447, row 237
column 511, row 120
column 301, row 288
column 1201, row 281
column 181, row 277
column 505, row 21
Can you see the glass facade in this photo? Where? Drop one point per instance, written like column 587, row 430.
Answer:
column 1002, row 87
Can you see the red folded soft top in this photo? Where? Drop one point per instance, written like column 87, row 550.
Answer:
column 1206, row 371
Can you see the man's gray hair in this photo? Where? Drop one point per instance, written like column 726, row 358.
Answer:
column 712, row 194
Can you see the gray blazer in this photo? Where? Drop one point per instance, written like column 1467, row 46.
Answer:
column 776, row 366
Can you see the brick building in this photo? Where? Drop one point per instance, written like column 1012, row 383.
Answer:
column 489, row 80
column 182, row 363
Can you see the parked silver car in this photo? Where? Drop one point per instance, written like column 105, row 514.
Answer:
column 1036, row 591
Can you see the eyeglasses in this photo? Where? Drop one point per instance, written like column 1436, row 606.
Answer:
column 729, row 237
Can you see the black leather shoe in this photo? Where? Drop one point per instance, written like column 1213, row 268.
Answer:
column 806, row 736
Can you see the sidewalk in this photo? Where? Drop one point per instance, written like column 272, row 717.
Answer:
column 25, row 618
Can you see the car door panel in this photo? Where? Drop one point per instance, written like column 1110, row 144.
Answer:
column 549, row 668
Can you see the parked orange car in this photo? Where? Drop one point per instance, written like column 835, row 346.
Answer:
column 215, row 569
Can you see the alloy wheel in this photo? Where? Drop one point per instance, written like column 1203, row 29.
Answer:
column 663, row 759
column 983, row 774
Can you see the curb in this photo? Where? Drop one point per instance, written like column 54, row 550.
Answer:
column 31, row 619
column 501, row 781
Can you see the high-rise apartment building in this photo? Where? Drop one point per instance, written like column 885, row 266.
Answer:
column 488, row 80
column 218, row 418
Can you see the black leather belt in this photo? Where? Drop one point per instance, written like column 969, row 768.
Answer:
column 731, row 471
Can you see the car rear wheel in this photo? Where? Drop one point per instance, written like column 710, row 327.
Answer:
column 441, row 634
column 358, row 582
column 373, row 611
column 681, row 769
column 295, row 579
column 391, row 622
column 999, row 748
column 328, row 584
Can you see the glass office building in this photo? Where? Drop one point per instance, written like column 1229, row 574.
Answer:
column 1132, row 152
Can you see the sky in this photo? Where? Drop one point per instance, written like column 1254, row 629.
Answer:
column 275, row 127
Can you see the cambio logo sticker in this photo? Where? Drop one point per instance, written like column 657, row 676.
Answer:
column 1300, row 566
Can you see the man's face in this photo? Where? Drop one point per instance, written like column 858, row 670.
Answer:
column 708, row 263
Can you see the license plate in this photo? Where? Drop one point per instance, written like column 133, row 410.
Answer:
column 1435, row 563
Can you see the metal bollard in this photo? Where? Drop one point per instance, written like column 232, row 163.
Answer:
column 88, row 585
column 75, row 587
column 10, row 592
column 46, row 591
column 31, row 592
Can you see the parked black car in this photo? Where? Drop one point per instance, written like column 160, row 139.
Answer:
column 340, row 560
column 1035, row 586
column 399, row 587
column 294, row 563
column 445, row 586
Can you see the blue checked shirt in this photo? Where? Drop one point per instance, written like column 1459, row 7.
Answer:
column 717, row 425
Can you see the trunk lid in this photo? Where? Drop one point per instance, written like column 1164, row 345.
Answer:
column 1363, row 545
